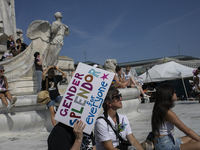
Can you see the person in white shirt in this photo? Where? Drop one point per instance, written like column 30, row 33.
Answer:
column 105, row 136
column 130, row 82
column 7, row 55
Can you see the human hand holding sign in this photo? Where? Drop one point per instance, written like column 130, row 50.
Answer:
column 78, row 132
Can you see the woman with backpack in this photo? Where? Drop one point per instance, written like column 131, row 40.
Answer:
column 112, row 128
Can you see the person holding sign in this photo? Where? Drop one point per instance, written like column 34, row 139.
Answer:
column 63, row 137
column 4, row 91
column 52, row 88
column 112, row 128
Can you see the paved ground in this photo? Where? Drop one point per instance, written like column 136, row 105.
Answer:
column 188, row 112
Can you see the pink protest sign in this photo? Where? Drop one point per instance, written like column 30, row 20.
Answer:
column 84, row 96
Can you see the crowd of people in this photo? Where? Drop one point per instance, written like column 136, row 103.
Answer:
column 125, row 80
column 13, row 49
column 112, row 130
column 196, row 79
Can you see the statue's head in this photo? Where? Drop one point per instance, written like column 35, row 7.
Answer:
column 110, row 65
column 58, row 15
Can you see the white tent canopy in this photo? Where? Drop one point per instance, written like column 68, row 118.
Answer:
column 167, row 71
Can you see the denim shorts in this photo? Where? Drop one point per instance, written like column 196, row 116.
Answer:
column 56, row 100
column 167, row 143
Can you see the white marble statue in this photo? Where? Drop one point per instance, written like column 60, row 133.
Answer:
column 58, row 30
column 53, row 35
column 47, row 40
column 110, row 65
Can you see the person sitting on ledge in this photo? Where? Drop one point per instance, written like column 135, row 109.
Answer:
column 21, row 46
column 12, row 45
column 7, row 55
column 4, row 92
column 111, row 127
column 163, row 122
column 52, row 88
column 121, row 83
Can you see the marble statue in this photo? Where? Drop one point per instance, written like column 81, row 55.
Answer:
column 58, row 30
column 46, row 39
column 110, row 65
column 53, row 35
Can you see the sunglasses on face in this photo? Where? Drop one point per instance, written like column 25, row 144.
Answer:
column 2, row 71
column 117, row 96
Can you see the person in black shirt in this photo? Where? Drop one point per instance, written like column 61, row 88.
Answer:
column 11, row 43
column 21, row 46
column 52, row 88
column 38, row 69
column 63, row 137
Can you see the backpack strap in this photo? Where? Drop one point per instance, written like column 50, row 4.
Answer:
column 109, row 123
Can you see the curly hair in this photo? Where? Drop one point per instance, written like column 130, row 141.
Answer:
column 109, row 97
column 163, row 103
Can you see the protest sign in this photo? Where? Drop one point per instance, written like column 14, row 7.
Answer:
column 84, row 96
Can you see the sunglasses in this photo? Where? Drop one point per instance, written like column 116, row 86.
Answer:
column 2, row 71
column 117, row 96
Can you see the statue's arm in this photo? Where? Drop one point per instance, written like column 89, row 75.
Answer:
column 66, row 30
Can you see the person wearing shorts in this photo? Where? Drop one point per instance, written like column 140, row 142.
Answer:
column 163, row 122
column 53, row 81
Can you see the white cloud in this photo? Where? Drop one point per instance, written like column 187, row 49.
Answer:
column 172, row 21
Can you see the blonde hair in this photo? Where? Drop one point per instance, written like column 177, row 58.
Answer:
column 9, row 36
column 128, row 66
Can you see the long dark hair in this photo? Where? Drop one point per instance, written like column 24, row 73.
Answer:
column 163, row 103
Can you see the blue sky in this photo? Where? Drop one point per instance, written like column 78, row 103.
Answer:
column 126, row 30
